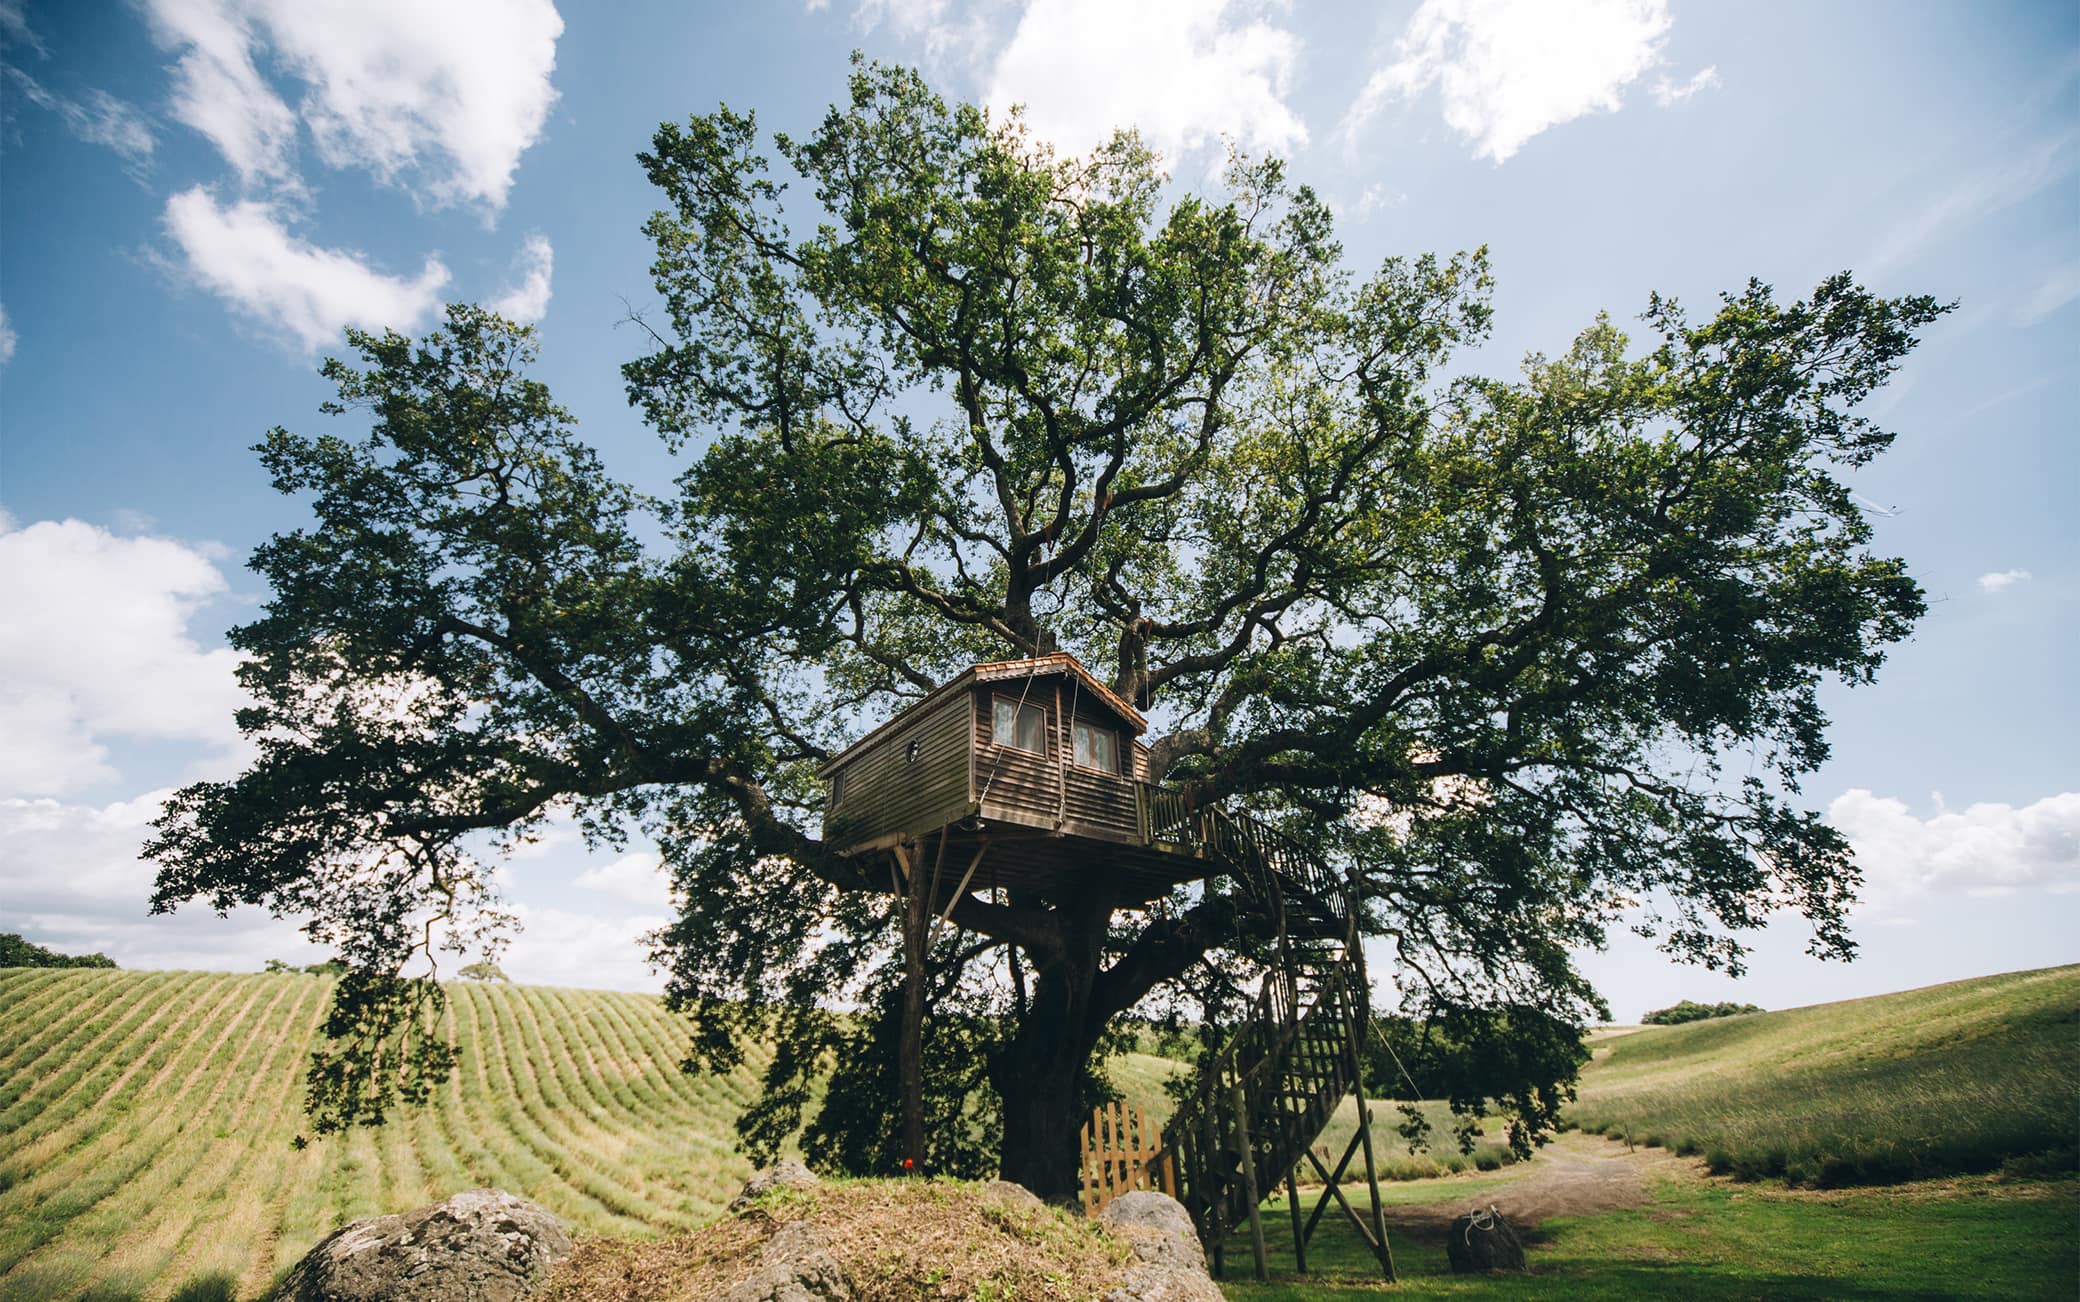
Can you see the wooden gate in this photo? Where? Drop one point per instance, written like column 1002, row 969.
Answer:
column 1120, row 1150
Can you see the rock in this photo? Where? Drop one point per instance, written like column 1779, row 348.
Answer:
column 1015, row 1194
column 484, row 1245
column 787, row 1173
column 795, row 1266
column 1169, row 1265
column 1483, row 1241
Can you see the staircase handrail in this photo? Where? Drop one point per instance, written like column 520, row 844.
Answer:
column 1265, row 859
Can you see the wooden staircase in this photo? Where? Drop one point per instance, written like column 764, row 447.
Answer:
column 1252, row 1112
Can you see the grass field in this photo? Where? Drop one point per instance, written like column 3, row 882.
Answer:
column 1972, row 1237
column 1955, row 1078
column 145, row 1120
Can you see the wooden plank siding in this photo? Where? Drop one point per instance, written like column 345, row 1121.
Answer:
column 1047, row 823
column 1049, row 790
column 886, row 791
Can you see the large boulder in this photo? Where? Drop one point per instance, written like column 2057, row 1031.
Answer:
column 1015, row 1195
column 795, row 1265
column 483, row 1245
column 787, row 1173
column 1169, row 1265
column 1483, row 1241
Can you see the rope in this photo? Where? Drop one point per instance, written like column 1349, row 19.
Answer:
column 997, row 761
column 1480, row 1218
column 1417, row 1096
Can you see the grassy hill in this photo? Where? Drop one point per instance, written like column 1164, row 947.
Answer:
column 146, row 1119
column 1955, row 1078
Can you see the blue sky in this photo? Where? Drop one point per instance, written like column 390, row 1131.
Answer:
column 197, row 195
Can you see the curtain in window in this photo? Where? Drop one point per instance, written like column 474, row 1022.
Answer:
column 1023, row 726
column 1096, row 748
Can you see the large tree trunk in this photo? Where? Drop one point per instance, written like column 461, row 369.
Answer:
column 1039, row 1075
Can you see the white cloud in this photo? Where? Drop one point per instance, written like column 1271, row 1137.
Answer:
column 8, row 338
column 218, row 90
column 1668, row 93
column 558, row 947
column 1969, row 192
column 1372, row 199
column 529, row 300
column 1506, row 70
column 440, row 98
column 949, row 36
column 70, row 878
column 95, row 644
column 635, row 878
column 1987, row 847
column 246, row 254
column 101, row 120
column 15, row 29
column 2002, row 580
column 1185, row 72
column 2058, row 288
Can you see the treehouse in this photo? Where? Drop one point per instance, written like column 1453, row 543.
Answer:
column 1032, row 769
column 1030, row 776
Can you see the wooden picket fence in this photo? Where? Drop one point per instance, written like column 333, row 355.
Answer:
column 1120, row 1152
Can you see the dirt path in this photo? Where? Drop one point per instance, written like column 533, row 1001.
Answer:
column 1576, row 1175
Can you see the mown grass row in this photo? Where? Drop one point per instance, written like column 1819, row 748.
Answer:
column 1968, row 1077
column 146, row 1120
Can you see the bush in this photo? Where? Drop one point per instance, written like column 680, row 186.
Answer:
column 1686, row 1011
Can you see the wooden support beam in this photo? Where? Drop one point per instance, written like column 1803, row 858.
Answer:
column 910, row 1048
column 1240, row 1100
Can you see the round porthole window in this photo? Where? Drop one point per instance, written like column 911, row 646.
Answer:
column 912, row 751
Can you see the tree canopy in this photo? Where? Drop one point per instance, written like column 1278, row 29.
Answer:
column 1488, row 643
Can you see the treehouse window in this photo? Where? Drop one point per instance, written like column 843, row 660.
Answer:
column 1022, row 726
column 837, row 788
column 1096, row 748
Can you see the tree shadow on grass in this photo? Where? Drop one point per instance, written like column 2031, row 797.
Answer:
column 1617, row 1281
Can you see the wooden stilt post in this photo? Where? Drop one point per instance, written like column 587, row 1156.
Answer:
column 910, row 1049
column 1293, row 1203
column 1240, row 1099
column 1358, row 1011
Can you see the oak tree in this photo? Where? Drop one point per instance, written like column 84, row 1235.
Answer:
column 1527, row 655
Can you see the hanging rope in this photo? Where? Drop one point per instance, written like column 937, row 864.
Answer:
column 1417, row 1095
column 997, row 761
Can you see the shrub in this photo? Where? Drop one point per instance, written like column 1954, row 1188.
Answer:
column 1686, row 1011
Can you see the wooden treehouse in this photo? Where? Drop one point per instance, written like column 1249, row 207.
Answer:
column 1030, row 777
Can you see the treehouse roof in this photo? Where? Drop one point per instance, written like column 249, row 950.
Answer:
column 999, row 671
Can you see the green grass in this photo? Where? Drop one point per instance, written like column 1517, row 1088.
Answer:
column 1980, row 1237
column 1965, row 1077
column 145, row 1120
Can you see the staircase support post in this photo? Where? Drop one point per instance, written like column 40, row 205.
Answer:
column 1249, row 1179
column 1359, row 1009
column 1293, row 1202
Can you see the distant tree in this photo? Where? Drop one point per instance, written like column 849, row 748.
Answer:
column 280, row 965
column 1685, row 1011
column 16, row 952
column 484, row 970
column 330, row 967
column 1481, row 643
column 1515, row 1061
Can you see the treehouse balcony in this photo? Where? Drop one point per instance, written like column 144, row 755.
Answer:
column 1035, row 762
